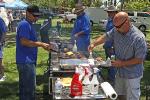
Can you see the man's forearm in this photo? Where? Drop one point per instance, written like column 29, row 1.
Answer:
column 79, row 33
column 123, row 63
column 30, row 43
column 100, row 40
column 132, row 62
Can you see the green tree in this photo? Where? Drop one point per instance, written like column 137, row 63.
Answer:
column 137, row 5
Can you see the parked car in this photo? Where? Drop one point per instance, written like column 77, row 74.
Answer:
column 71, row 17
column 68, row 16
column 140, row 16
column 148, row 12
column 46, row 13
column 141, row 25
column 64, row 14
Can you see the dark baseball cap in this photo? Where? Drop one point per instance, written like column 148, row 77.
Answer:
column 34, row 10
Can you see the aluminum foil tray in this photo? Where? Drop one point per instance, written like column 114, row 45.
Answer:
column 73, row 62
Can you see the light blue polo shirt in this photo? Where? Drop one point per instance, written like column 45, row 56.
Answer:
column 131, row 45
column 25, row 54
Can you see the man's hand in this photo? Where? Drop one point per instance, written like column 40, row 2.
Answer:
column 90, row 48
column 117, row 63
column 99, row 59
column 46, row 46
column 76, row 35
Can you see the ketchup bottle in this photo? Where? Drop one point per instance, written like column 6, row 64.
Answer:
column 76, row 84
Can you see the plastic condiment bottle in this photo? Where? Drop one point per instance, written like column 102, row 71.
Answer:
column 86, row 83
column 75, row 47
column 76, row 84
column 90, row 56
column 95, row 82
column 91, row 59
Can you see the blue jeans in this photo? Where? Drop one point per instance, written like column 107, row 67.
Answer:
column 27, row 81
column 111, row 74
column 111, row 70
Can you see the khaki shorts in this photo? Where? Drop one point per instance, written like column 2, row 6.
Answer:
column 128, row 87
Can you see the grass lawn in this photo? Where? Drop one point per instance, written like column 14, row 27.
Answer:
column 9, row 88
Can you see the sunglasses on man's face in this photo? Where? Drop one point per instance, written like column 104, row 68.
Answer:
column 119, row 26
column 34, row 15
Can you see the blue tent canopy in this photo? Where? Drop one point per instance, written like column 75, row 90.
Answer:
column 18, row 4
column 2, row 4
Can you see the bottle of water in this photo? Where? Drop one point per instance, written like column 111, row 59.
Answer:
column 58, row 89
column 108, row 61
column 112, row 57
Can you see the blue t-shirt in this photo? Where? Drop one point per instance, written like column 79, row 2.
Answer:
column 3, row 28
column 82, row 23
column 25, row 54
column 109, row 26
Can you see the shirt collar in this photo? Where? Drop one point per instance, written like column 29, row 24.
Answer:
column 130, row 30
column 81, row 15
column 28, row 21
column 110, row 19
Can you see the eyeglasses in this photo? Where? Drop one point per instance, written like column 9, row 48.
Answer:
column 119, row 26
column 35, row 15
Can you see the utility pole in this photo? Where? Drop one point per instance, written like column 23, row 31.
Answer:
column 115, row 2
column 122, row 4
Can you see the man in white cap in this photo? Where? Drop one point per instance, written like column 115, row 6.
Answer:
column 112, row 11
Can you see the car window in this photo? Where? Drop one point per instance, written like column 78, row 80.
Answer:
column 143, row 14
column 130, row 14
column 132, row 20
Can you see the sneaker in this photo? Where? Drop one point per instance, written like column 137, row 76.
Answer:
column 3, row 79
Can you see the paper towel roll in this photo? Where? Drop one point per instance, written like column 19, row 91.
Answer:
column 109, row 91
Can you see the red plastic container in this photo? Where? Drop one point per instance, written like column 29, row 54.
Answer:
column 76, row 85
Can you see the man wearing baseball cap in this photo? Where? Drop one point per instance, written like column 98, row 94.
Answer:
column 26, row 53
column 111, row 11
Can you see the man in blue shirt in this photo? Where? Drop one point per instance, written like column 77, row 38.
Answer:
column 130, row 50
column 81, row 30
column 3, row 30
column 108, row 45
column 26, row 53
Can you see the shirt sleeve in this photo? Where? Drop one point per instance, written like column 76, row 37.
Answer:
column 86, row 27
column 3, row 26
column 24, row 30
column 140, row 48
column 110, row 35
